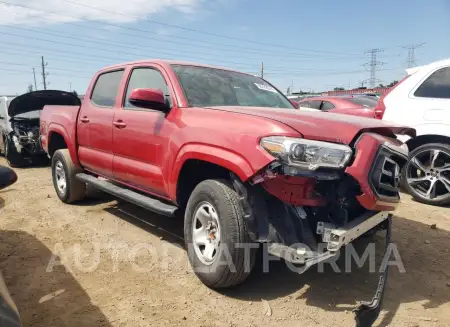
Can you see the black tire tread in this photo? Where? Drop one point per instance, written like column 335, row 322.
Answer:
column 238, row 231
column 76, row 189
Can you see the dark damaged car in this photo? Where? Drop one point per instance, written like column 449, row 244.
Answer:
column 19, row 125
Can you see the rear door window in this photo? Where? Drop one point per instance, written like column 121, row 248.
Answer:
column 326, row 105
column 106, row 88
column 365, row 101
column 305, row 104
column 315, row 104
column 436, row 86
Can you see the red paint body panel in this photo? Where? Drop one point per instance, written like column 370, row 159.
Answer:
column 61, row 121
column 366, row 149
column 323, row 126
column 146, row 149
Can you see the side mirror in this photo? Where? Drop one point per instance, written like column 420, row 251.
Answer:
column 295, row 104
column 7, row 177
column 149, row 99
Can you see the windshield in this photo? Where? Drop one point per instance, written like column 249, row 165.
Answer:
column 365, row 101
column 209, row 87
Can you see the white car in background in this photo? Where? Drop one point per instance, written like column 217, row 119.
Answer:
column 422, row 101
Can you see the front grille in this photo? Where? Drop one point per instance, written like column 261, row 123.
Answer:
column 385, row 174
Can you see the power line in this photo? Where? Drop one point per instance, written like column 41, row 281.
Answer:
column 202, row 32
column 411, row 60
column 27, row 72
column 234, row 47
column 241, row 65
column 373, row 64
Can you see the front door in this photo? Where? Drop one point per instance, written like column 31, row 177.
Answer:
column 95, row 124
column 141, row 136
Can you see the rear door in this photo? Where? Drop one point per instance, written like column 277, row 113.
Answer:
column 141, row 136
column 94, row 127
column 431, row 101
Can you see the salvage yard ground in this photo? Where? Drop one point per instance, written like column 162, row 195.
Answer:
column 157, row 287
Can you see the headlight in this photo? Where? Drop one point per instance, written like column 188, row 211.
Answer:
column 307, row 154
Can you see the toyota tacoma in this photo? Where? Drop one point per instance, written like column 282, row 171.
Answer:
column 233, row 155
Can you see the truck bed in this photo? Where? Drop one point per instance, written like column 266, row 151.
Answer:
column 62, row 119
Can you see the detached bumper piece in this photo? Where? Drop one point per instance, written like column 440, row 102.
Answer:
column 367, row 313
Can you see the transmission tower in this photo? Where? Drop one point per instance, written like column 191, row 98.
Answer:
column 411, row 61
column 372, row 66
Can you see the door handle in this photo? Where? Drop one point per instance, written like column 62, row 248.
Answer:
column 84, row 119
column 119, row 124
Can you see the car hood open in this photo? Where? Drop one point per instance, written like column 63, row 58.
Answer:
column 324, row 126
column 37, row 100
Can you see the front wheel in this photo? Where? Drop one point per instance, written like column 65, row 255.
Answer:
column 216, row 237
column 67, row 187
column 426, row 176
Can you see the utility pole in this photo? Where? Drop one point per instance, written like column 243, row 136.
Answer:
column 34, row 75
column 411, row 60
column 262, row 70
column 70, row 86
column 372, row 66
column 44, row 74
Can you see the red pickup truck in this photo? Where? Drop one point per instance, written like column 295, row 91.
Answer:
column 232, row 154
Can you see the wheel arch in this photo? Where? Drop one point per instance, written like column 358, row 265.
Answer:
column 196, row 163
column 420, row 140
column 59, row 138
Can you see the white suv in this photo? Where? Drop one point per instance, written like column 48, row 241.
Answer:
column 422, row 101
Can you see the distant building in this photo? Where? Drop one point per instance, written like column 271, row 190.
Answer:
column 378, row 90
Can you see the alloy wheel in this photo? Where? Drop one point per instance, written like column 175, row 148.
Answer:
column 428, row 174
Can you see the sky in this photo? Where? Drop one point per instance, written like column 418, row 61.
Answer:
column 305, row 45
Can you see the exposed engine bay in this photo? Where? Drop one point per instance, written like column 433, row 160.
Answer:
column 22, row 135
column 25, row 136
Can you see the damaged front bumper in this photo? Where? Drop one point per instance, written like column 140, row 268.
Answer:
column 333, row 239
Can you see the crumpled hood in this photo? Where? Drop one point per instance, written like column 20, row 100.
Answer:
column 37, row 100
column 324, row 126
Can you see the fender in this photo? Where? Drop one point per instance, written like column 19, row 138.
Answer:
column 433, row 129
column 70, row 140
column 219, row 156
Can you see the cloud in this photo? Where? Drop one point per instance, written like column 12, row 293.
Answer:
column 113, row 11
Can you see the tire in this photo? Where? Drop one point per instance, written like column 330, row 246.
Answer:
column 64, row 169
column 223, row 203
column 13, row 157
column 441, row 178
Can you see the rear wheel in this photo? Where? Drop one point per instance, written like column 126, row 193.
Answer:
column 427, row 174
column 67, row 187
column 213, row 226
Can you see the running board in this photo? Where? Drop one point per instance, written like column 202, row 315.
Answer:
column 126, row 194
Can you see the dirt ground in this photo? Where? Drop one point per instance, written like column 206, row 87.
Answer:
column 109, row 263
